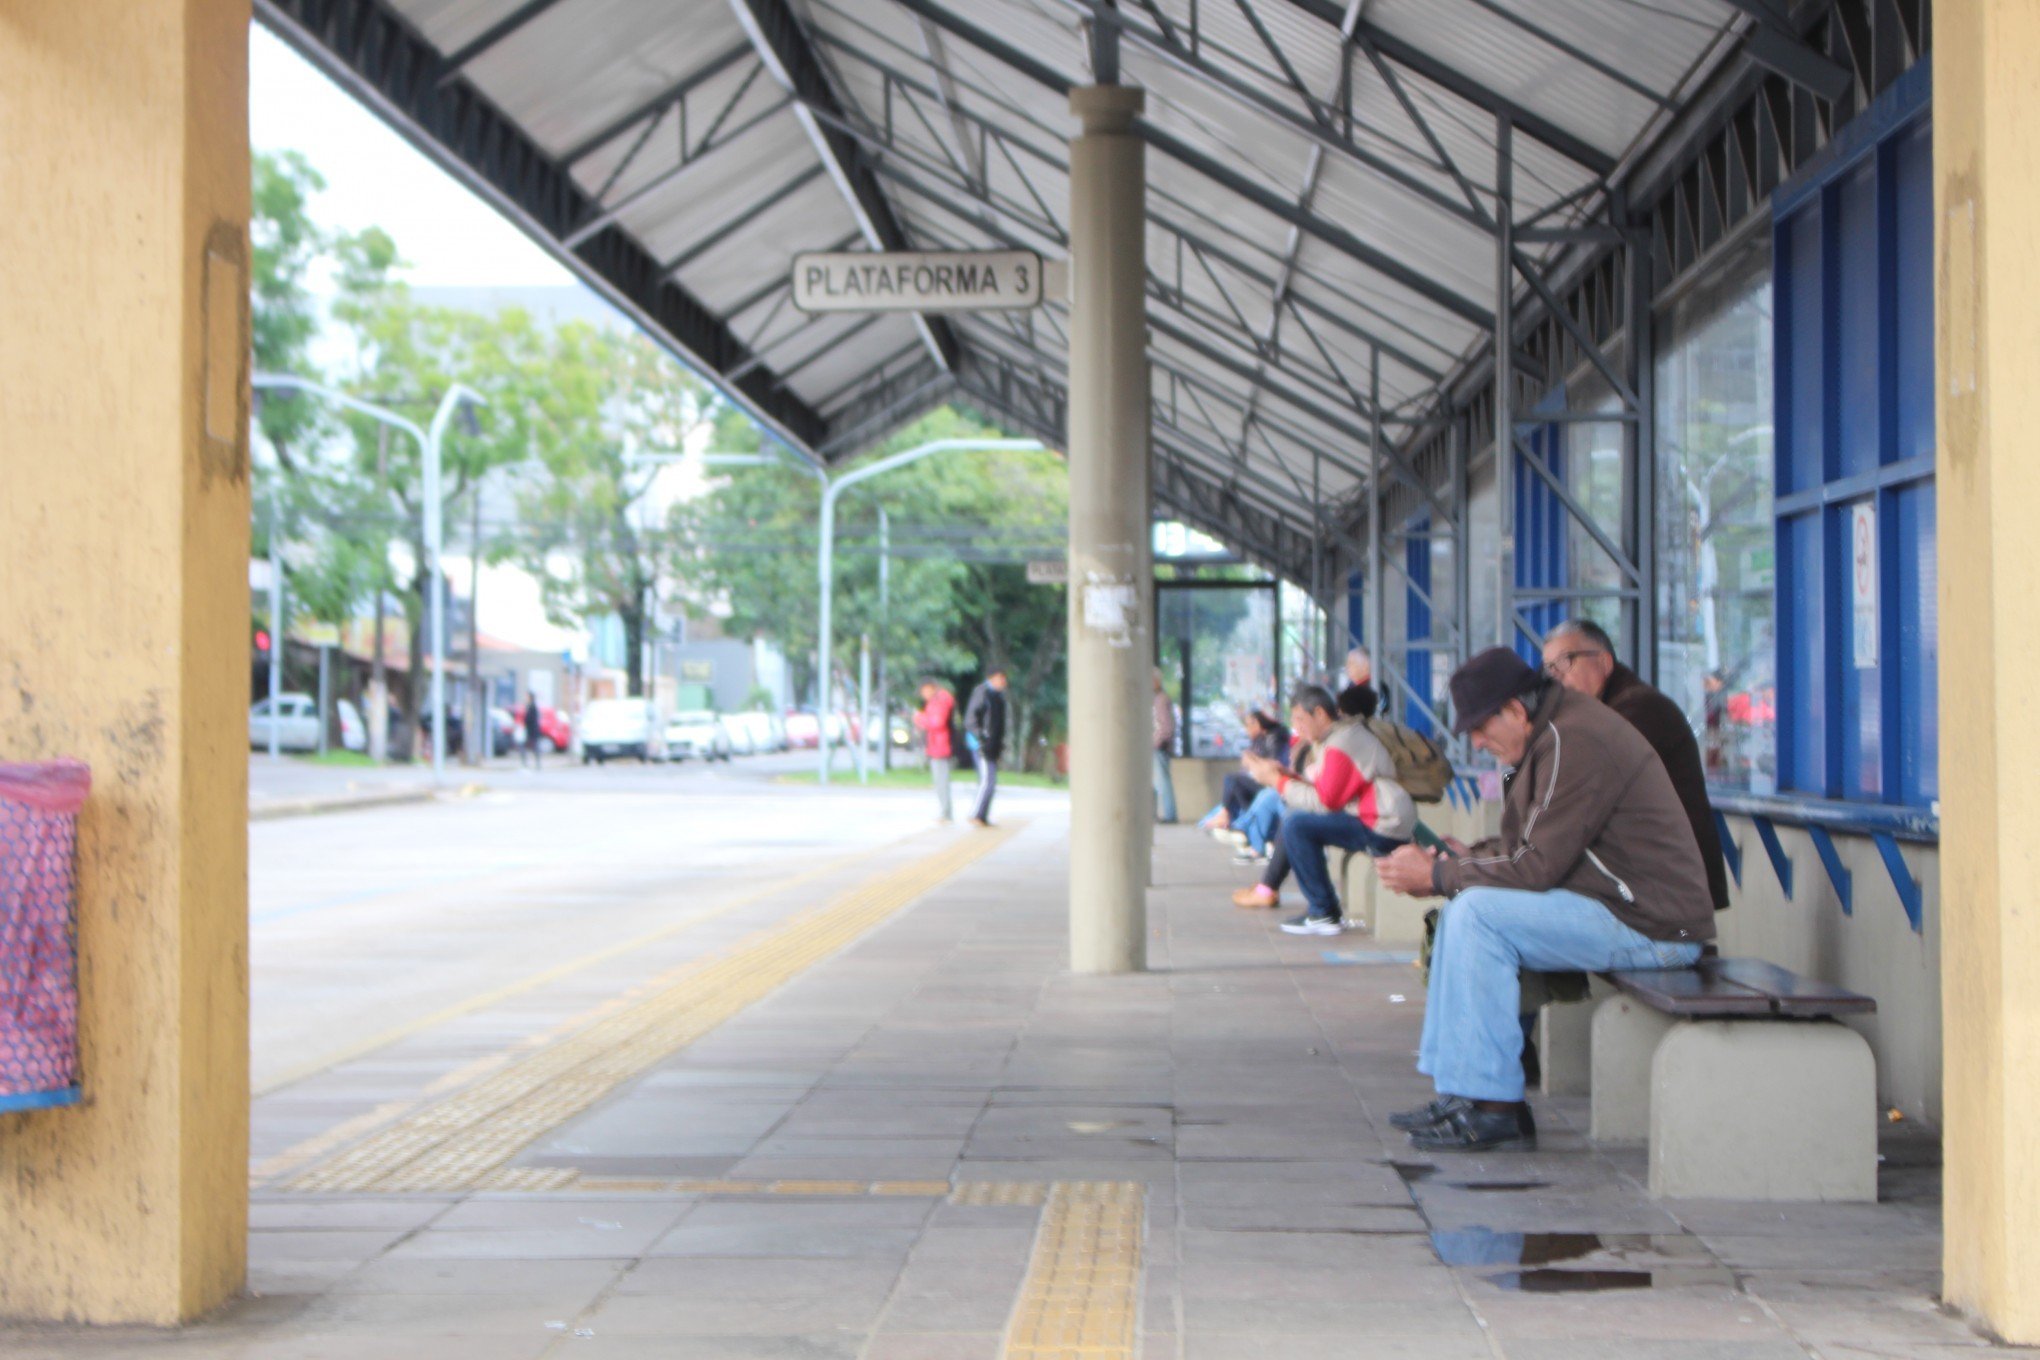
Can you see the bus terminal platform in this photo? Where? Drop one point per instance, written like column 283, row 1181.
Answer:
column 896, row 1127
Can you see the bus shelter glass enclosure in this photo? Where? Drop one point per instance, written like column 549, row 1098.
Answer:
column 1216, row 646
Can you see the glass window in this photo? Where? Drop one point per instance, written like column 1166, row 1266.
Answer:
column 1716, row 563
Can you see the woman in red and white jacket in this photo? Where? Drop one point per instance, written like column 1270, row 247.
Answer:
column 1351, row 801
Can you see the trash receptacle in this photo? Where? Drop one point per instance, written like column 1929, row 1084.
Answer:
column 38, row 932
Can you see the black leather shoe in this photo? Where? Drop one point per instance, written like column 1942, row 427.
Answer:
column 1468, row 1128
column 1425, row 1116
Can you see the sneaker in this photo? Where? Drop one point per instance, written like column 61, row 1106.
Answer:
column 1249, row 857
column 1424, row 1116
column 1255, row 896
column 1312, row 925
column 1468, row 1128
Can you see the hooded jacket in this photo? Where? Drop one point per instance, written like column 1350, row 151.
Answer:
column 1590, row 809
column 1352, row 770
column 984, row 717
column 936, row 724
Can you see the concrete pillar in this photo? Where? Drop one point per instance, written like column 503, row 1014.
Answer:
column 1111, row 558
column 1987, row 239
column 124, row 631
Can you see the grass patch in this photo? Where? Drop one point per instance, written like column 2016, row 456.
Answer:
column 846, row 774
column 348, row 759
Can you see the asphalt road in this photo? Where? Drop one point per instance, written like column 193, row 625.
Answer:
column 369, row 923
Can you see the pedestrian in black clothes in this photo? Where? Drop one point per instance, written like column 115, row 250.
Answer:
column 533, row 730
column 984, row 731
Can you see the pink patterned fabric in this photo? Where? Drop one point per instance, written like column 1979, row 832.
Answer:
column 38, row 944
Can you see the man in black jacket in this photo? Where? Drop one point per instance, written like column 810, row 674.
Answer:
column 1580, row 655
column 984, row 726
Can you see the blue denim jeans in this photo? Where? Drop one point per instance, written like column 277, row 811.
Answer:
column 1307, row 835
column 1165, row 788
column 1259, row 821
column 1473, row 1040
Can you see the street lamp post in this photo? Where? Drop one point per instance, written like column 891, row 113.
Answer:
column 832, row 489
column 429, row 441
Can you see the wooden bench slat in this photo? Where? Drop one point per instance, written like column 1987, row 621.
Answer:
column 1689, row 991
column 1790, row 993
column 1737, row 988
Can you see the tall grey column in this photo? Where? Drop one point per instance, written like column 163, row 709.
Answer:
column 1111, row 557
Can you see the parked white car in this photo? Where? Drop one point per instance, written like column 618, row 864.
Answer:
column 296, row 720
column 619, row 729
column 697, row 732
column 764, row 730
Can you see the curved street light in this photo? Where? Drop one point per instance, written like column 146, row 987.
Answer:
column 429, row 442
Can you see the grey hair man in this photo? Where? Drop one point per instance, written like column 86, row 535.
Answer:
column 1580, row 655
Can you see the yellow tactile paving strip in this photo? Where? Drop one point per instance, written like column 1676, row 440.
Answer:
column 655, row 1185
column 457, row 1143
column 1081, row 1299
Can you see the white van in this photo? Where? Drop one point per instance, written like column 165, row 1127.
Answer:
column 620, row 728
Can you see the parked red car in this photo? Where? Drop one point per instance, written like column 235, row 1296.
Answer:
column 555, row 732
column 803, row 731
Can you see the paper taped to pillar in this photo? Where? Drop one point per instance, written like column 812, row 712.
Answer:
column 916, row 281
column 1109, row 607
column 39, row 806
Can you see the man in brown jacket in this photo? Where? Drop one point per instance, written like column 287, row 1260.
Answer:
column 1596, row 868
column 1580, row 655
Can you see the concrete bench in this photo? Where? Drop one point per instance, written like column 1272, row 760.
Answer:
column 1737, row 1074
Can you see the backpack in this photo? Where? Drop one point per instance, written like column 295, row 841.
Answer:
column 1420, row 766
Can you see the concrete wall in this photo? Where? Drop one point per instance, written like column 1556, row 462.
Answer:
column 1873, row 951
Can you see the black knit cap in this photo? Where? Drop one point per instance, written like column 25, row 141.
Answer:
column 1485, row 683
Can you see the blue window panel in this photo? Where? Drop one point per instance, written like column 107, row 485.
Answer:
column 1802, row 353
column 1356, row 605
column 1417, row 616
column 1540, row 535
column 1858, row 333
column 1860, row 749
column 1802, row 655
column 1914, row 624
column 1911, row 165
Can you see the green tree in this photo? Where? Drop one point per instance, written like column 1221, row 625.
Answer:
column 606, row 414
column 953, row 607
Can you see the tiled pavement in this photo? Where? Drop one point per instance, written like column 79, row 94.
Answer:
column 1242, row 1085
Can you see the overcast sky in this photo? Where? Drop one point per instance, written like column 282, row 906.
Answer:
column 374, row 178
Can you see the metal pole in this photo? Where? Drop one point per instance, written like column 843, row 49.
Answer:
column 378, row 674
column 1641, row 438
column 1317, row 539
column 884, row 615
column 1505, row 368
column 826, row 565
column 480, row 738
column 325, row 694
column 275, row 631
column 435, row 533
column 1111, row 553
column 863, row 734
column 1376, row 623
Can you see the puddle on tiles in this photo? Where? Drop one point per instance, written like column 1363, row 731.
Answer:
column 1602, row 1281
column 1639, row 1260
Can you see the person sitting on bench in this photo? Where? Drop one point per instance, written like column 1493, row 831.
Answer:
column 1595, row 869
column 1351, row 800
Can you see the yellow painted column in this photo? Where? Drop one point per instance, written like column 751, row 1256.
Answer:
column 1987, row 202
column 124, row 630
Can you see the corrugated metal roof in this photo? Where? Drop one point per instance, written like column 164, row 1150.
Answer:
column 1321, row 178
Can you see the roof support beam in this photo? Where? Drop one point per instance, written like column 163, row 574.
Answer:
column 1473, row 90
column 1774, row 46
column 492, row 35
column 783, row 46
column 658, row 103
column 1211, row 168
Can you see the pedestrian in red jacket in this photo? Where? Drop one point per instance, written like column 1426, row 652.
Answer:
column 937, row 721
